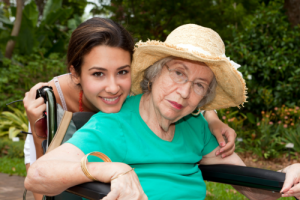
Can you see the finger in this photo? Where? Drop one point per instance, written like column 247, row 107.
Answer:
column 291, row 194
column 230, row 136
column 35, row 111
column 32, row 92
column 40, row 109
column 33, row 105
column 228, row 152
column 220, row 139
column 288, row 183
column 112, row 195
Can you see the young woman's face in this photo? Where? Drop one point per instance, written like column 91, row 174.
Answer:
column 105, row 78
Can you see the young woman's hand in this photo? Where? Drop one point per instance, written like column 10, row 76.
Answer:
column 221, row 130
column 125, row 186
column 291, row 186
column 34, row 109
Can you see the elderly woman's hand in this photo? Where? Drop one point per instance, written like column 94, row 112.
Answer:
column 291, row 186
column 125, row 185
column 221, row 130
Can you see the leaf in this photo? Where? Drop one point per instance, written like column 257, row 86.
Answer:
column 26, row 38
column 50, row 7
column 31, row 13
column 5, row 20
column 59, row 14
column 251, row 118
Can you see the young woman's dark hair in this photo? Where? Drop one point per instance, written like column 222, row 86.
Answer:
column 94, row 32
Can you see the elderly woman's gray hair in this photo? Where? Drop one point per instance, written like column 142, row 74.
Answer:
column 153, row 71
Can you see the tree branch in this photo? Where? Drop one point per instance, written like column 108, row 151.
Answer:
column 17, row 25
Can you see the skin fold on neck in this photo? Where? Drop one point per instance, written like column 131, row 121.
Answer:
column 162, row 127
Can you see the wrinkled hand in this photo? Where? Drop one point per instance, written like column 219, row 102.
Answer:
column 34, row 107
column 126, row 186
column 219, row 129
column 291, row 186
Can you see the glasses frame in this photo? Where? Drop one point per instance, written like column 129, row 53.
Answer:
column 186, row 81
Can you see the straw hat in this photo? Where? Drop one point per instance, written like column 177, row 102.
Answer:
column 197, row 43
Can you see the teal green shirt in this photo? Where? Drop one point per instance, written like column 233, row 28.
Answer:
column 166, row 170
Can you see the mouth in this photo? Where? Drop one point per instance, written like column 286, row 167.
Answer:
column 176, row 105
column 111, row 100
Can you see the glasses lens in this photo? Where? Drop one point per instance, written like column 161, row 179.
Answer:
column 40, row 127
column 201, row 88
column 178, row 76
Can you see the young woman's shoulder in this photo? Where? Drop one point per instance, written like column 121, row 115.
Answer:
column 65, row 90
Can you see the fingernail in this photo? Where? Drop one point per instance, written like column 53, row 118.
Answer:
column 222, row 144
column 221, row 150
column 223, row 156
column 217, row 153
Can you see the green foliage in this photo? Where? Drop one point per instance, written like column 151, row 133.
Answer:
column 155, row 19
column 264, row 135
column 268, row 51
column 293, row 136
column 11, row 149
column 233, row 118
column 12, row 123
column 51, row 31
column 12, row 166
column 19, row 75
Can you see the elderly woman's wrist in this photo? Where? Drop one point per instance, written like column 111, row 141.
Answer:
column 105, row 171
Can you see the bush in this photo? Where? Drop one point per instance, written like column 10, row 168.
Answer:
column 12, row 123
column 11, row 149
column 17, row 76
column 268, row 51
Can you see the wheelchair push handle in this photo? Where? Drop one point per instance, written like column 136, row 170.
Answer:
column 47, row 94
column 51, row 113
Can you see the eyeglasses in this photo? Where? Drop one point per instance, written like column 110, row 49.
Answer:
column 178, row 76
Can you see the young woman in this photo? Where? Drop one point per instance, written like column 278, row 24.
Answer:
column 99, row 58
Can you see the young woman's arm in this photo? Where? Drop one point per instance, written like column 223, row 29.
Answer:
column 34, row 110
column 219, row 129
column 61, row 169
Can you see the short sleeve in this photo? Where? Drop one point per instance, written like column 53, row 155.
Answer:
column 102, row 134
column 210, row 142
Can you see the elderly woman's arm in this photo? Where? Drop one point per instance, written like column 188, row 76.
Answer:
column 60, row 169
column 219, row 129
column 234, row 159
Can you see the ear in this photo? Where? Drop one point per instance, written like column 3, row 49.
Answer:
column 75, row 76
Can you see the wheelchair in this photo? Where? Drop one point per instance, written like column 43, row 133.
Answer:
column 227, row 174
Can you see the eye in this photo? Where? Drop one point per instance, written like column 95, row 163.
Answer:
column 123, row 72
column 98, row 74
column 179, row 73
column 199, row 85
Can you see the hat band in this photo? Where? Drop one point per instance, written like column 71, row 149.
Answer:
column 192, row 48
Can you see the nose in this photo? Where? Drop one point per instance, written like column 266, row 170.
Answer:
column 185, row 89
column 112, row 86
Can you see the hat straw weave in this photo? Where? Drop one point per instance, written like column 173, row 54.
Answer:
column 196, row 43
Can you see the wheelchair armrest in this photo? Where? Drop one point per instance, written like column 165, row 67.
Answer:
column 228, row 174
column 243, row 176
column 92, row 190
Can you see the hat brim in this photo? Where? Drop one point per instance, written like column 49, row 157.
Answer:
column 230, row 91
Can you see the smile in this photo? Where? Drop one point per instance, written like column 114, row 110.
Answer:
column 176, row 105
column 111, row 101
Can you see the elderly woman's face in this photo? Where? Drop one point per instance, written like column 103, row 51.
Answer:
column 175, row 100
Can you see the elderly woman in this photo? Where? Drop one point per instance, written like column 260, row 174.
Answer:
column 157, row 139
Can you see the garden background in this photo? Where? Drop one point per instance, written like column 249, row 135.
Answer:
column 261, row 35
